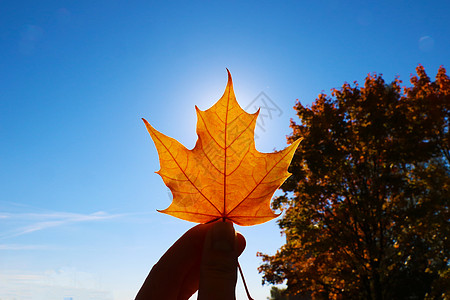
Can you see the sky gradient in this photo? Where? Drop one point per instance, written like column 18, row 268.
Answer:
column 78, row 192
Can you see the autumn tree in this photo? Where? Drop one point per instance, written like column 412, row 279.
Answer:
column 367, row 207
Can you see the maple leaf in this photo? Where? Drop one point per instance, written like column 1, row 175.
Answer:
column 223, row 176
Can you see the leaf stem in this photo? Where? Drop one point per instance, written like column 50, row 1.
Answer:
column 245, row 284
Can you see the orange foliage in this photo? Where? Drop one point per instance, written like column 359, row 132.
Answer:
column 223, row 176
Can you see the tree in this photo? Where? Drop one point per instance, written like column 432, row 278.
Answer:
column 280, row 294
column 277, row 294
column 367, row 207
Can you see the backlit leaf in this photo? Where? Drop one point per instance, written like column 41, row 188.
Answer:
column 223, row 176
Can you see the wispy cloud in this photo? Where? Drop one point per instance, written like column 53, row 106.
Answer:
column 52, row 285
column 32, row 222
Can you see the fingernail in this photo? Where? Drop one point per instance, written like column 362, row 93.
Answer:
column 223, row 236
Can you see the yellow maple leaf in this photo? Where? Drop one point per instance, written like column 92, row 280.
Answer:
column 223, row 176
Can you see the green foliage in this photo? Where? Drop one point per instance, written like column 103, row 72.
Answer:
column 367, row 207
column 277, row 294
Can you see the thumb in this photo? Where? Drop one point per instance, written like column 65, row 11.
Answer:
column 218, row 271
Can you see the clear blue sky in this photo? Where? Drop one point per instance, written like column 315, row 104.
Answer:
column 78, row 193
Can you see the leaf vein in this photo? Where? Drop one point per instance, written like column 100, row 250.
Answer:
column 262, row 179
column 184, row 173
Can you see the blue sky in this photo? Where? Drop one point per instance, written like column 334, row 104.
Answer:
column 78, row 193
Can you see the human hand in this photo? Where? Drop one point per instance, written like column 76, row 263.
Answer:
column 203, row 259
